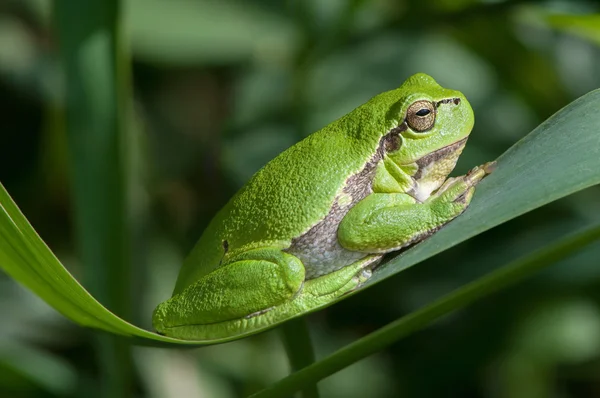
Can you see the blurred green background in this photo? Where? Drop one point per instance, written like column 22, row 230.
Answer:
column 221, row 87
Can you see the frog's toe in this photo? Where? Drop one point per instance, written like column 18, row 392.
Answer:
column 466, row 197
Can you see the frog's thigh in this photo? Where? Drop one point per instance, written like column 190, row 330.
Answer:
column 254, row 281
column 382, row 222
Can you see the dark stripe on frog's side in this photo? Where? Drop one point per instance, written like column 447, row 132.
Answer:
column 318, row 248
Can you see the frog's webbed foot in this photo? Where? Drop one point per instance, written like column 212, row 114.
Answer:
column 343, row 280
column 461, row 188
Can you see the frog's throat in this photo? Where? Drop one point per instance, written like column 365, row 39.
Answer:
column 433, row 169
column 449, row 151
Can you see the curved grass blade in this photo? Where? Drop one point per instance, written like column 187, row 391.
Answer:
column 25, row 257
column 558, row 158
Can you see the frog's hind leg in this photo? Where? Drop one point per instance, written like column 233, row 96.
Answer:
column 251, row 283
column 320, row 292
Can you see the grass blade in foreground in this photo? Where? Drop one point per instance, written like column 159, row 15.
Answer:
column 417, row 320
column 558, row 158
column 25, row 257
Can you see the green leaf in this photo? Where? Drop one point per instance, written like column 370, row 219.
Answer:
column 25, row 257
column 468, row 294
column 585, row 26
column 558, row 158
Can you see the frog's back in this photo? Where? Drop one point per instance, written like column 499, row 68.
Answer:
column 292, row 192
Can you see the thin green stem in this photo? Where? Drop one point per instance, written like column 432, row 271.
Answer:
column 299, row 348
column 370, row 344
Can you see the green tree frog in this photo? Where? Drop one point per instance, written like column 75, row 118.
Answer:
column 311, row 225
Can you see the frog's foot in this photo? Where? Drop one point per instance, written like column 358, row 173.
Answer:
column 364, row 275
column 464, row 183
column 343, row 280
column 257, row 313
column 478, row 173
column 328, row 287
column 489, row 167
column 459, row 190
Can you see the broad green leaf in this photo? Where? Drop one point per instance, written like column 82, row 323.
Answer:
column 558, row 158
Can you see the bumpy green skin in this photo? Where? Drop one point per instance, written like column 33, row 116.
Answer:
column 246, row 272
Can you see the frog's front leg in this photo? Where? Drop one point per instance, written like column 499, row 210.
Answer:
column 383, row 222
column 251, row 282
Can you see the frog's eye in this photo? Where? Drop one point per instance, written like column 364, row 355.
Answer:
column 420, row 115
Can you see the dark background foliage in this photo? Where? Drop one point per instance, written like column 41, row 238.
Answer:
column 221, row 87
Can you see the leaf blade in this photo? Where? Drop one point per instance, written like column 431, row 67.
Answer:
column 459, row 298
column 25, row 257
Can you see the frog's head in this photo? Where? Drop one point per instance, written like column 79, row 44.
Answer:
column 433, row 126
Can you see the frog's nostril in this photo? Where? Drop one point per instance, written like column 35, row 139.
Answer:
column 456, row 101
